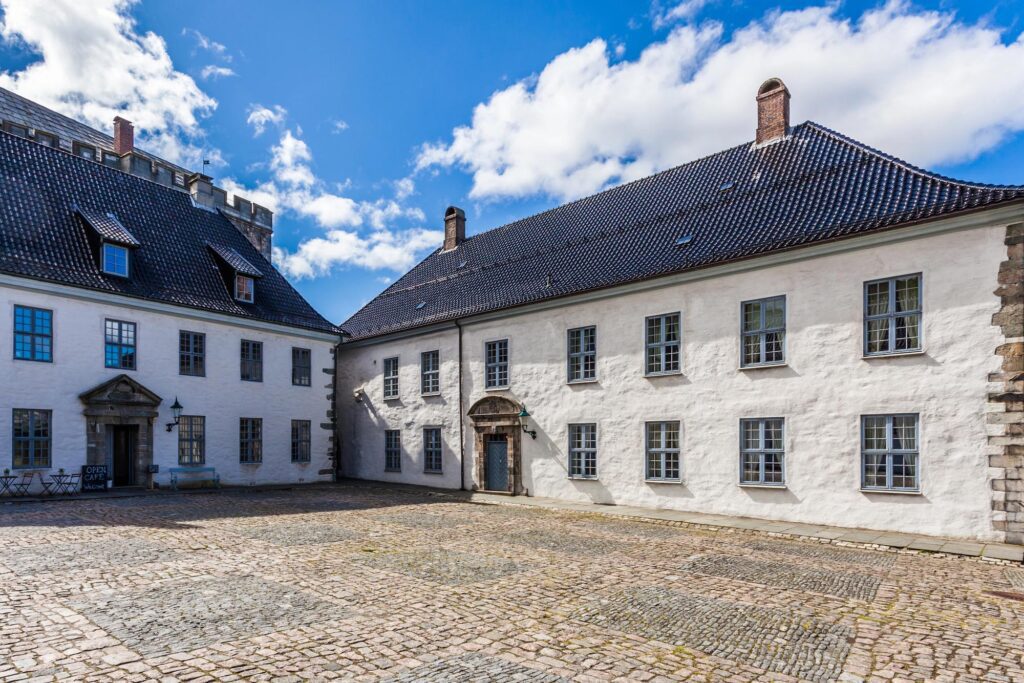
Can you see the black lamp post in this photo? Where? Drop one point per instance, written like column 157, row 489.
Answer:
column 523, row 415
column 176, row 411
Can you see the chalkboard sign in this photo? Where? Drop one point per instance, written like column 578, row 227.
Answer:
column 94, row 477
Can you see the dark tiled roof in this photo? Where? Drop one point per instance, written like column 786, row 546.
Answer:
column 815, row 185
column 43, row 237
column 235, row 260
column 108, row 227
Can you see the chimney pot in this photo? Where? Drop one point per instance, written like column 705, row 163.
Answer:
column 772, row 111
column 454, row 227
column 124, row 136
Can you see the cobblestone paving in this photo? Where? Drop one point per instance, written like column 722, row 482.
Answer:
column 368, row 583
column 791, row 643
column 474, row 668
column 842, row 584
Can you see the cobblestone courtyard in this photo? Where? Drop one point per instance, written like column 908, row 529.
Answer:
column 378, row 584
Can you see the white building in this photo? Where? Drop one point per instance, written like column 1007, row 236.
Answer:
column 122, row 295
column 800, row 328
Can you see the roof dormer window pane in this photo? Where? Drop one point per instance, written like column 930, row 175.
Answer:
column 115, row 260
column 244, row 288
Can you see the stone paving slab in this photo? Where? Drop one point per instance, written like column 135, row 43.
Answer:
column 298, row 533
column 448, row 567
column 474, row 668
column 70, row 557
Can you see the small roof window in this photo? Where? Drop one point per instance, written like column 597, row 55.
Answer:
column 421, row 305
column 684, row 240
column 245, row 288
column 726, row 185
column 115, row 259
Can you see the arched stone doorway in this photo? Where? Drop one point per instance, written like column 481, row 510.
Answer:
column 497, row 450
column 119, row 429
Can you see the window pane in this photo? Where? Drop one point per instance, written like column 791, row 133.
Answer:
column 904, row 470
column 751, row 316
column 908, row 332
column 750, row 472
column 874, row 470
column 773, row 468
column 904, row 433
column 908, row 295
column 878, row 298
column 874, row 433
column 878, row 335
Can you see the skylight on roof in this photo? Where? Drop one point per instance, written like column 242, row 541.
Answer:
column 727, row 185
column 463, row 264
column 421, row 305
column 685, row 239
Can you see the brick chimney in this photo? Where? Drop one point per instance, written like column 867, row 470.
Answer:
column 772, row 111
column 454, row 227
column 124, row 136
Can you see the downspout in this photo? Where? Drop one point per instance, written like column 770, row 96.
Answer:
column 462, row 433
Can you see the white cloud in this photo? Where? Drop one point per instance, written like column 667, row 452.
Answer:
column 207, row 43
column 339, row 126
column 260, row 117
column 95, row 65
column 395, row 250
column 920, row 85
column 213, row 71
column 680, row 12
column 404, row 188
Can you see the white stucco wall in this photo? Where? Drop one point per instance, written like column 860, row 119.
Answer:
column 821, row 392
column 78, row 328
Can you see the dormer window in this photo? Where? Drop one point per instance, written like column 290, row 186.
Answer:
column 244, row 288
column 115, row 259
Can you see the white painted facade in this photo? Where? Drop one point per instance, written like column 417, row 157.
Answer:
column 221, row 396
column 822, row 391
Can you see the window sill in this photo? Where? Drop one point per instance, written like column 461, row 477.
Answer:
column 893, row 354
column 663, row 481
column 387, row 471
column 504, row 388
column 307, row 386
column 582, row 478
column 392, row 398
column 253, row 381
column 673, row 373
column 434, row 472
column 35, row 360
column 107, row 367
column 301, row 462
column 764, row 366
column 581, row 381
column 778, row 487
column 430, row 394
column 31, row 468
column 892, row 492
column 251, row 463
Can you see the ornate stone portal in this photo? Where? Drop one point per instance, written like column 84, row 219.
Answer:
column 121, row 403
column 496, row 418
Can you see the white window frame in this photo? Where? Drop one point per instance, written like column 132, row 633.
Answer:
column 581, row 355
column 761, row 451
column 497, row 365
column 662, row 345
column 392, row 451
column 582, row 455
column 762, row 331
column 889, row 452
column 109, row 266
column 429, row 450
column 664, row 452
column 391, row 378
column 247, row 293
column 430, row 378
column 891, row 315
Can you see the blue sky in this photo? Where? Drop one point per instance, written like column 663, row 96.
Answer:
column 360, row 122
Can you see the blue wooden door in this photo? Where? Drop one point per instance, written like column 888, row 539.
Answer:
column 496, row 465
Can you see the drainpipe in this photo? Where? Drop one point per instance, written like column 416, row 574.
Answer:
column 462, row 433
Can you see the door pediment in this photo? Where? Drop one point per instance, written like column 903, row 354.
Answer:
column 494, row 407
column 120, row 391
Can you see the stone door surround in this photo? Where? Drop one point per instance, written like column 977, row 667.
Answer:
column 121, row 401
column 496, row 416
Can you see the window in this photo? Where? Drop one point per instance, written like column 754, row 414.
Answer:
column 111, row 159
column 250, row 440
column 391, row 377
column 244, row 288
column 84, row 151
column 252, row 361
column 300, row 440
column 663, row 344
column 430, row 372
column 582, row 354
column 764, row 331
column 762, row 451
column 119, row 345
column 496, row 364
column 301, row 367
column 191, row 440
column 191, row 353
column 583, row 451
column 892, row 315
column 47, row 139
column 392, row 450
column 889, row 453
column 31, row 438
column 432, row 450
column 663, row 451
column 115, row 259
column 33, row 334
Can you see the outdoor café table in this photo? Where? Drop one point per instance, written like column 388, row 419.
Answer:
column 5, row 483
column 58, row 484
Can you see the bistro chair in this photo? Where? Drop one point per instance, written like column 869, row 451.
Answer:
column 72, row 484
column 20, row 488
column 51, row 487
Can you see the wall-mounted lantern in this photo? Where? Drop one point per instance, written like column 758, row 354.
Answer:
column 176, row 411
column 523, row 416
